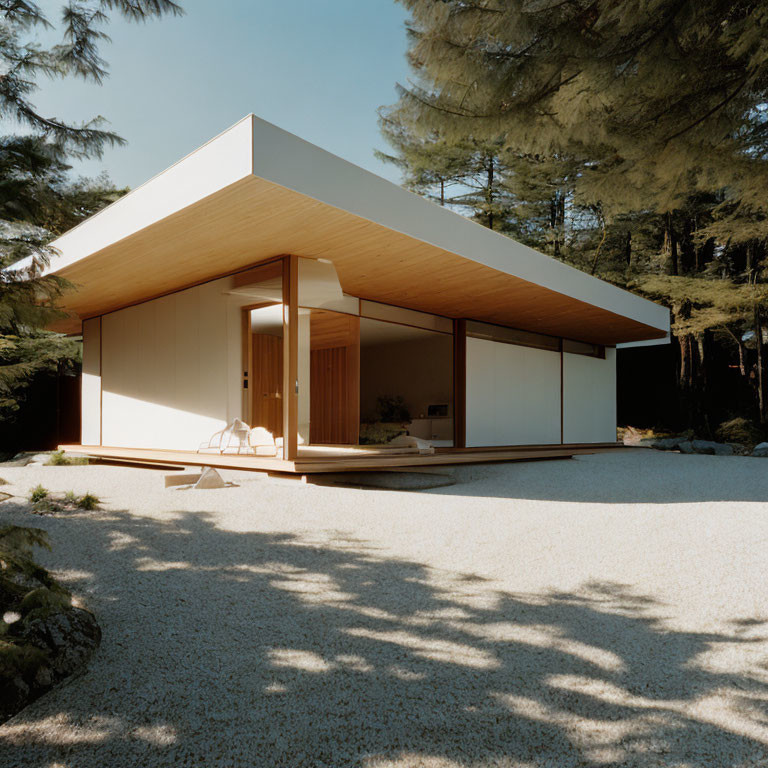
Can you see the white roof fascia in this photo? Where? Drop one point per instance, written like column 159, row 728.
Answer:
column 223, row 160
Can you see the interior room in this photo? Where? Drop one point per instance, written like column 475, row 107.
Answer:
column 406, row 383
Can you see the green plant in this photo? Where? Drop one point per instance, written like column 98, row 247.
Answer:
column 60, row 459
column 740, row 430
column 392, row 408
column 3, row 482
column 88, row 501
column 17, row 567
column 44, row 600
column 38, row 494
column 70, row 497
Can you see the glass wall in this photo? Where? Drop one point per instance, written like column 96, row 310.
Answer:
column 406, row 383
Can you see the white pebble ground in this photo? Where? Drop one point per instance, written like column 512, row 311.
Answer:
column 610, row 610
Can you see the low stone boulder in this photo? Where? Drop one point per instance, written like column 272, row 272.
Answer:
column 69, row 637
column 47, row 647
column 712, row 448
column 660, row 443
column 761, row 449
column 684, row 445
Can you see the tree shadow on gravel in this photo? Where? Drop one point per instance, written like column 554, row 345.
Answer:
column 226, row 648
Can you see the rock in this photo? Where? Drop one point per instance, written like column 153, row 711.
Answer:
column 688, row 446
column 210, row 478
column 631, row 437
column 661, row 444
column 39, row 458
column 69, row 636
column 23, row 459
column 711, row 448
column 761, row 449
column 44, row 677
column 48, row 647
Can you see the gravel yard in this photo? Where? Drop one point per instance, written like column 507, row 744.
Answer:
column 609, row 610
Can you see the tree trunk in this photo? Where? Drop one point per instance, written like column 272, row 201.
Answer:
column 489, row 193
column 761, row 399
column 684, row 377
column 670, row 247
column 442, row 191
column 742, row 360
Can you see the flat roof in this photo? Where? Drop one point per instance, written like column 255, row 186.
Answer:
column 255, row 192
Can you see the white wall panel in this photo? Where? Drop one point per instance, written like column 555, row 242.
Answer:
column 513, row 394
column 91, row 383
column 589, row 404
column 171, row 369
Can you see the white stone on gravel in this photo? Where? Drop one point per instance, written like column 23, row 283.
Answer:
column 609, row 609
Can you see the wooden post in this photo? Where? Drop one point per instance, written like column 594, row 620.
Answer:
column 290, row 357
column 459, row 383
column 562, row 394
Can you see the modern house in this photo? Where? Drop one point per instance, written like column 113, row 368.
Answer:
column 264, row 279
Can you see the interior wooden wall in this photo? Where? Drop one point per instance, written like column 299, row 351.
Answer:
column 334, row 378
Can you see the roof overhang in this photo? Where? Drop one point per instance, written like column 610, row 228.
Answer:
column 256, row 192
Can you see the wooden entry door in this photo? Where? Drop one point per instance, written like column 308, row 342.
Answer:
column 267, row 382
column 334, row 378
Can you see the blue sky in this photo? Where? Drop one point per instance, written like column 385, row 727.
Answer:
column 317, row 68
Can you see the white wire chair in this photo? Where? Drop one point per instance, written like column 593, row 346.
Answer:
column 232, row 439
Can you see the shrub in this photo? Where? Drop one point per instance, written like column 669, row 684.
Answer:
column 38, row 494
column 3, row 482
column 44, row 599
column 392, row 409
column 60, row 459
column 740, row 430
column 70, row 497
column 88, row 501
column 57, row 459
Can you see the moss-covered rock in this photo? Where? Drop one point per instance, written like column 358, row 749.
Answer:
column 43, row 639
column 45, row 600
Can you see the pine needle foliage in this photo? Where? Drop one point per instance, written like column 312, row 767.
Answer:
column 38, row 199
column 661, row 97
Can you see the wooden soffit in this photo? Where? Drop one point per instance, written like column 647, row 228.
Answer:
column 253, row 220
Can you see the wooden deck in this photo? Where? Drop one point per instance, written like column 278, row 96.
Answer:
column 313, row 459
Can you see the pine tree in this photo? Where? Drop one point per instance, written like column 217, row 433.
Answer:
column 662, row 99
column 36, row 199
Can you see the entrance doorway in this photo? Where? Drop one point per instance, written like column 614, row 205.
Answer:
column 266, row 367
